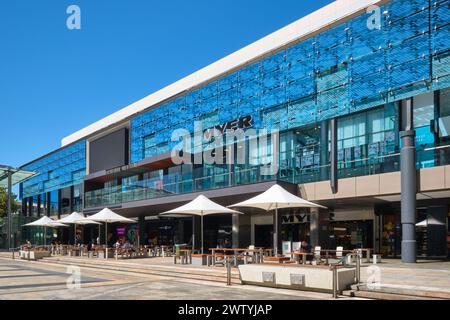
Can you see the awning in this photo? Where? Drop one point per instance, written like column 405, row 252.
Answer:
column 17, row 175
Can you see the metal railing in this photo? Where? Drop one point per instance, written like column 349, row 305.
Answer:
column 343, row 263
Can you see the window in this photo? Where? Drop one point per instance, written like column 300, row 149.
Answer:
column 369, row 135
column 423, row 110
column 444, row 101
column 53, row 203
column 66, row 200
column 77, row 205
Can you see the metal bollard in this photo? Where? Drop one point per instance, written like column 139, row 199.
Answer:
column 335, row 282
column 228, row 271
column 358, row 268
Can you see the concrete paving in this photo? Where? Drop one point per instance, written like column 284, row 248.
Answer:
column 426, row 275
column 153, row 279
column 23, row 280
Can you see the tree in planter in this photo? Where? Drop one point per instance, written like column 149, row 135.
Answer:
column 4, row 203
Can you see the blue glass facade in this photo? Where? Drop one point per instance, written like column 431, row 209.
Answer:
column 349, row 71
column 61, row 169
column 340, row 71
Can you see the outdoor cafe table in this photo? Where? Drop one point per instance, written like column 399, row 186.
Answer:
column 279, row 260
column 304, row 255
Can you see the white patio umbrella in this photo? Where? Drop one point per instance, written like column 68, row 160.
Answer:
column 108, row 216
column 45, row 222
column 273, row 199
column 86, row 222
column 423, row 224
column 202, row 207
column 428, row 222
column 76, row 219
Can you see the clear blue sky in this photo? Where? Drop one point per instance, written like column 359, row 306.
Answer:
column 54, row 82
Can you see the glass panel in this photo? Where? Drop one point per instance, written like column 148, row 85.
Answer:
column 444, row 103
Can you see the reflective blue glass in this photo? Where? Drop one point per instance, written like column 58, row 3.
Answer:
column 63, row 168
column 345, row 69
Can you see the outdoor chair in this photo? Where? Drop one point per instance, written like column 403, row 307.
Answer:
column 249, row 257
column 317, row 255
column 219, row 259
column 84, row 251
column 152, row 252
column 339, row 255
column 339, row 252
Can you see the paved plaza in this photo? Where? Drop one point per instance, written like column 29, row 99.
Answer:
column 159, row 279
column 23, row 280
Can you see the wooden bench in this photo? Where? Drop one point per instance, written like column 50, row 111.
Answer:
column 279, row 260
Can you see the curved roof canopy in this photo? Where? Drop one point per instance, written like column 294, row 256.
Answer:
column 17, row 175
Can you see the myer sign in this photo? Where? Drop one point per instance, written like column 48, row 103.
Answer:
column 241, row 123
column 234, row 142
column 295, row 219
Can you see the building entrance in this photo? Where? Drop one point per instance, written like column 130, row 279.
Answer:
column 263, row 236
column 351, row 234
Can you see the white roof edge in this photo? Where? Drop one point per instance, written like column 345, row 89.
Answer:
column 311, row 23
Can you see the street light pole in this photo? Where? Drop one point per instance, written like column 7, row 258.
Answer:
column 409, row 186
column 9, row 200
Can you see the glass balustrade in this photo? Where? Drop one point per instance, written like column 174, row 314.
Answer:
column 292, row 170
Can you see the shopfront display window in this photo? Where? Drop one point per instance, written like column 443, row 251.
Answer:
column 351, row 234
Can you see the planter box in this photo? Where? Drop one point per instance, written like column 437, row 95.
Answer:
column 307, row 278
column 199, row 260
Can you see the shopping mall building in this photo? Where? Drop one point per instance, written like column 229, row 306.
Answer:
column 341, row 91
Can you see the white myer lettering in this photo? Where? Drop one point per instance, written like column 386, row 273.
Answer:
column 241, row 123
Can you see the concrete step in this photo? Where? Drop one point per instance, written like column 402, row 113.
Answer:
column 397, row 292
column 376, row 295
column 163, row 271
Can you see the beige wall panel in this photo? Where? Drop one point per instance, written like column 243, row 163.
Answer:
column 432, row 179
column 390, row 183
column 346, row 188
column 323, row 191
column 368, row 186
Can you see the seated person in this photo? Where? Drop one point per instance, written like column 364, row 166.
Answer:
column 27, row 245
column 306, row 247
column 227, row 244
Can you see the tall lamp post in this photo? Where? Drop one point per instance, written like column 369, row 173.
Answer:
column 9, row 200
column 408, row 186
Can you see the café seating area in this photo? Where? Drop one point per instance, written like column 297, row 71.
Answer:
column 218, row 257
column 215, row 257
column 118, row 252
